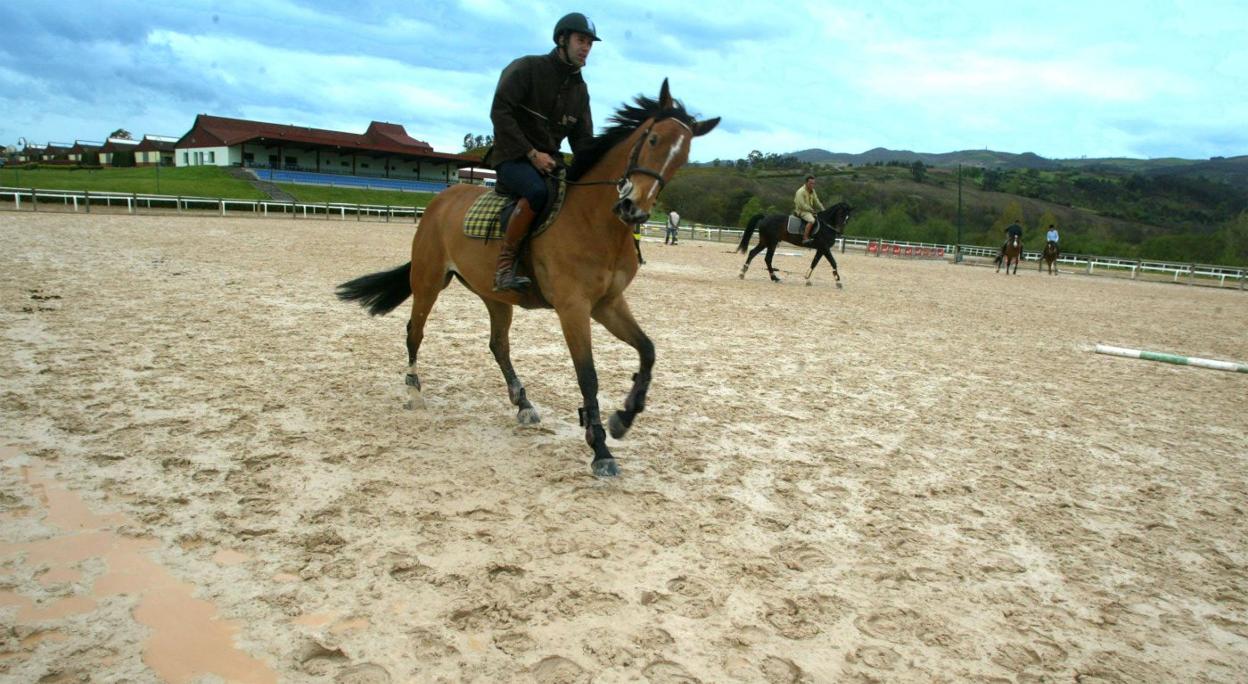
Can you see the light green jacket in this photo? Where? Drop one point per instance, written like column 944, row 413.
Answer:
column 806, row 202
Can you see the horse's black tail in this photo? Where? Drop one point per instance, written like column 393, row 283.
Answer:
column 749, row 231
column 379, row 292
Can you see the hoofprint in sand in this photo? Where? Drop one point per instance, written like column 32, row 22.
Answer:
column 926, row 476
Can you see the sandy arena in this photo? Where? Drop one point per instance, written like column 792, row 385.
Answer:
column 928, row 476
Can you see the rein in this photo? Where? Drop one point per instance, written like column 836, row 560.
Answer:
column 623, row 184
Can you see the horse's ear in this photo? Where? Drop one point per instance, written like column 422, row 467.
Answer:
column 704, row 127
column 665, row 97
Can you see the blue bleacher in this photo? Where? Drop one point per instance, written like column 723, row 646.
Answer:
column 369, row 182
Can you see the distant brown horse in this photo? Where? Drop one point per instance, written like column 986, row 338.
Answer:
column 771, row 230
column 581, row 264
column 1013, row 252
column 1049, row 256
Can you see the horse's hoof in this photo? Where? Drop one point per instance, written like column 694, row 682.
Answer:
column 528, row 416
column 605, row 467
column 840, row 285
column 414, row 403
column 809, row 284
column 741, row 276
column 617, row 426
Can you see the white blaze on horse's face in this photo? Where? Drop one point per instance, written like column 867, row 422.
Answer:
column 662, row 148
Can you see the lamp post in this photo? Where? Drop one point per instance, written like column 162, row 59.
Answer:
column 957, row 249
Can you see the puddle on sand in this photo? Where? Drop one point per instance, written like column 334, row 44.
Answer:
column 187, row 641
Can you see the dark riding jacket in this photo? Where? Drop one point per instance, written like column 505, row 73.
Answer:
column 540, row 100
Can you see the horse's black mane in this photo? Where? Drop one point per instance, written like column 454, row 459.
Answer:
column 626, row 119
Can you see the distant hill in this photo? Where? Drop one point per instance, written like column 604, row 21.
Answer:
column 1232, row 170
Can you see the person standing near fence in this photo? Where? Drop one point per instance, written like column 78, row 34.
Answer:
column 673, row 222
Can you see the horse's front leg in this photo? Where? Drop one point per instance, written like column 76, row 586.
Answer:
column 616, row 317
column 500, row 346
column 813, row 263
column 836, row 272
column 575, row 323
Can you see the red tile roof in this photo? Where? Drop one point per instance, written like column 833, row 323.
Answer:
column 156, row 143
column 217, row 131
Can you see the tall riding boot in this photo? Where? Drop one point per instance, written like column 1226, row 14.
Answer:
column 518, row 224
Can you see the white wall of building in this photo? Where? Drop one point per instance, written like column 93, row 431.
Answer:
column 261, row 156
column 201, row 156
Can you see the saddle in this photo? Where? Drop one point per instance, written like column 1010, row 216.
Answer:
column 797, row 226
column 487, row 218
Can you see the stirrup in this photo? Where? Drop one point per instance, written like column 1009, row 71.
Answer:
column 511, row 282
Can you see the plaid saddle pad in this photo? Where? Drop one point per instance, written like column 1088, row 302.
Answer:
column 482, row 219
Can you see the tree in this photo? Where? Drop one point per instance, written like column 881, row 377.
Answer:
column 467, row 141
column 993, row 179
column 1013, row 213
column 1046, row 219
column 752, row 207
column 754, row 157
column 122, row 134
column 918, row 170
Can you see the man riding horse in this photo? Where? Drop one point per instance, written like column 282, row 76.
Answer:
column 540, row 101
column 805, row 205
column 1012, row 231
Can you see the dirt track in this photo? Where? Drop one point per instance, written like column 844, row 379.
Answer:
column 926, row 476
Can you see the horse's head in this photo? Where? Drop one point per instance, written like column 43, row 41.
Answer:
column 835, row 217
column 659, row 147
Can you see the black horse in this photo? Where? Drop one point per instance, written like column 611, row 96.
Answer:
column 772, row 228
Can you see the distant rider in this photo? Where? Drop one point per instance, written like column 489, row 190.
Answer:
column 1011, row 231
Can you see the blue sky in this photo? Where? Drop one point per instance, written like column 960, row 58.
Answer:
column 1060, row 79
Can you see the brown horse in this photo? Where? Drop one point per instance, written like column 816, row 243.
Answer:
column 581, row 264
column 1013, row 252
column 1049, row 256
column 771, row 230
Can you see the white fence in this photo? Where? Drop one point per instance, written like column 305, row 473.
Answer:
column 1195, row 274
column 31, row 199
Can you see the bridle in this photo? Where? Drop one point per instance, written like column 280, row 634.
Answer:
column 624, row 184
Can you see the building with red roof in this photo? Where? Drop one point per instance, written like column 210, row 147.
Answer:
column 111, row 147
column 155, row 149
column 384, row 150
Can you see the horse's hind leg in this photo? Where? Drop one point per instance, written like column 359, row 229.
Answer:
column 616, row 317
column 762, row 244
column 771, row 252
column 500, row 346
column 425, row 289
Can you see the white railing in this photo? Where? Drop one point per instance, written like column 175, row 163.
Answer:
column 1091, row 264
column 30, row 199
column 137, row 203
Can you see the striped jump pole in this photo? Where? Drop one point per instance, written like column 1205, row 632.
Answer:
column 1232, row 366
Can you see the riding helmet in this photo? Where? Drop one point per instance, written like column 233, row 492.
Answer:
column 575, row 22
